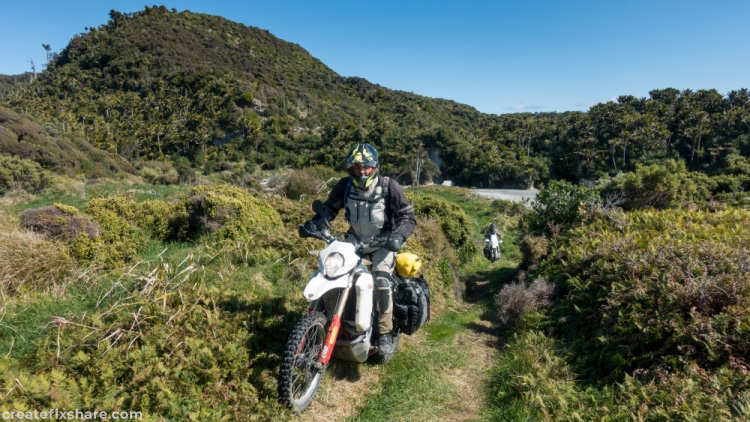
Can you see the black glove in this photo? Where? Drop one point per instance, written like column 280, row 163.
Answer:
column 395, row 242
column 380, row 239
column 309, row 229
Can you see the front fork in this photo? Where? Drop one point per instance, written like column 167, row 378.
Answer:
column 333, row 329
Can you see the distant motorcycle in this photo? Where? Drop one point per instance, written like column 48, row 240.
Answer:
column 340, row 322
column 492, row 247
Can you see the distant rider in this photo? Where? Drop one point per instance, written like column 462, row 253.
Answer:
column 376, row 208
column 493, row 239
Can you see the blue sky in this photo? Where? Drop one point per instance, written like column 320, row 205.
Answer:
column 497, row 56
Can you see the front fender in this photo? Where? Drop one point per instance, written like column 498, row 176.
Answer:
column 318, row 285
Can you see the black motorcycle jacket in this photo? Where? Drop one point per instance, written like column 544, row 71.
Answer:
column 381, row 208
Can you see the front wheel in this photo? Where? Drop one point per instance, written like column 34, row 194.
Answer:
column 301, row 373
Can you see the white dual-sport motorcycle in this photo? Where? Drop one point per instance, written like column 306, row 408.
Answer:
column 340, row 321
column 492, row 247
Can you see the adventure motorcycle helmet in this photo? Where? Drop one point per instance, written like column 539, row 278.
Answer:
column 367, row 156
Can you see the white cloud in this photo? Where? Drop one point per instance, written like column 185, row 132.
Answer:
column 519, row 108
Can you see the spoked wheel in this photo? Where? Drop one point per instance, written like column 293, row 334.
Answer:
column 301, row 374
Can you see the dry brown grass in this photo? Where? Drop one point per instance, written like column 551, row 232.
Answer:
column 30, row 262
column 56, row 224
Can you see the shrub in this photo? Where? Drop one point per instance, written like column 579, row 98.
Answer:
column 453, row 221
column 665, row 290
column 559, row 207
column 533, row 249
column 328, row 175
column 169, row 347
column 516, row 299
column 58, row 222
column 509, row 208
column 167, row 179
column 185, row 172
column 241, row 226
column 118, row 242
column 29, row 262
column 303, row 183
column 659, row 186
column 156, row 218
column 533, row 381
column 728, row 183
column 19, row 173
column 149, row 174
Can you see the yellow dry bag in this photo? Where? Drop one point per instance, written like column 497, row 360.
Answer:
column 408, row 264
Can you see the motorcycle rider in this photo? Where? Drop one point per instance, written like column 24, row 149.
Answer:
column 376, row 209
column 488, row 239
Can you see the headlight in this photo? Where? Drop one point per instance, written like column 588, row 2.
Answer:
column 332, row 264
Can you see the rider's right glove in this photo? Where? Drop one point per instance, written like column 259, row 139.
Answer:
column 308, row 229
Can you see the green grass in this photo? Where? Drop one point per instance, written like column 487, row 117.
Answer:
column 77, row 194
column 415, row 386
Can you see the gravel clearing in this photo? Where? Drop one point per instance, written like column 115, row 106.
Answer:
column 515, row 195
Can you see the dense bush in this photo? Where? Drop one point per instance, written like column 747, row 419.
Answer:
column 245, row 228
column 558, row 207
column 452, row 219
column 303, row 183
column 327, row 174
column 533, row 249
column 172, row 348
column 159, row 172
column 509, row 208
column 533, row 381
column 118, row 242
column 658, row 185
column 664, row 291
column 156, row 218
column 19, row 173
column 185, row 172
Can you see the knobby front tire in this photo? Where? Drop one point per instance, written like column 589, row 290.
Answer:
column 299, row 376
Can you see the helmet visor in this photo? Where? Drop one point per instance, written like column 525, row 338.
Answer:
column 361, row 170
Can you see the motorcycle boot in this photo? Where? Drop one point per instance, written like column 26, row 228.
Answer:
column 385, row 344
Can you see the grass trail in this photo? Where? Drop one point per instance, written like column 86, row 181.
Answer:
column 441, row 372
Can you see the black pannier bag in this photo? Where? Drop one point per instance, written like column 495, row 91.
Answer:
column 411, row 304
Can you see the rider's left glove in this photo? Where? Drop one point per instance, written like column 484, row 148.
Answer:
column 395, row 242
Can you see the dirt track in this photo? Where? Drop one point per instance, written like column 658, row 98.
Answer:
column 515, row 195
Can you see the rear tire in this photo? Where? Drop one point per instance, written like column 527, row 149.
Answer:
column 300, row 374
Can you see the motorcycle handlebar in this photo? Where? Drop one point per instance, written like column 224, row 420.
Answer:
column 325, row 235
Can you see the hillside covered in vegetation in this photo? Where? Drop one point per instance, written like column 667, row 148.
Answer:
column 154, row 175
column 160, row 84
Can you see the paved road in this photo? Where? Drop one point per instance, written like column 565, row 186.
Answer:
column 515, row 195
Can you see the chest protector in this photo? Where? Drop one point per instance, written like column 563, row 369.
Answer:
column 366, row 209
